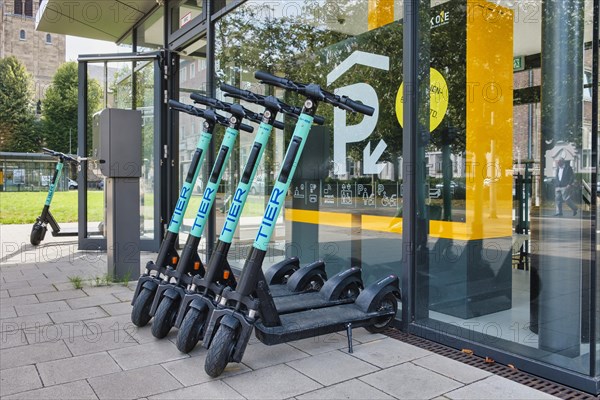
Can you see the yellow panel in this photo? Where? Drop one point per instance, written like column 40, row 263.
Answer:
column 381, row 224
column 342, row 220
column 381, row 12
column 489, row 97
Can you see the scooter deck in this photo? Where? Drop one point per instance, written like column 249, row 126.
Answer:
column 311, row 323
column 305, row 301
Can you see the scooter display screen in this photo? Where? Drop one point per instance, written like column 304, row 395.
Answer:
column 288, row 163
column 214, row 177
column 251, row 162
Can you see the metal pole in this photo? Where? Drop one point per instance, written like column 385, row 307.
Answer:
column 210, row 92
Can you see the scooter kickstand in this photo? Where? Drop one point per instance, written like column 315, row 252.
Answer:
column 349, row 334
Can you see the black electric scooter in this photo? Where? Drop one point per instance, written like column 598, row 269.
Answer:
column 172, row 289
column 167, row 254
column 203, row 295
column 40, row 226
column 251, row 304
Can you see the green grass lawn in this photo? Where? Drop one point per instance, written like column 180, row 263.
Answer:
column 25, row 207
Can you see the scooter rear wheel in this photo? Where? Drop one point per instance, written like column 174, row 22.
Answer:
column 387, row 303
column 314, row 285
column 351, row 291
column 190, row 332
column 220, row 351
column 37, row 234
column 140, row 314
column 164, row 318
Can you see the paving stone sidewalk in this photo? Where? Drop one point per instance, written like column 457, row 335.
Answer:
column 62, row 342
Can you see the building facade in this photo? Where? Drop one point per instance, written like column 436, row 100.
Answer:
column 41, row 52
column 453, row 184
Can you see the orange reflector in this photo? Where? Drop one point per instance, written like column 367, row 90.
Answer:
column 196, row 265
column 174, row 260
column 225, row 274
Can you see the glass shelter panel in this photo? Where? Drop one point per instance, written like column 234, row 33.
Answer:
column 345, row 201
column 508, row 171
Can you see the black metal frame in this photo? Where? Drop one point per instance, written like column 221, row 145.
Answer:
column 85, row 242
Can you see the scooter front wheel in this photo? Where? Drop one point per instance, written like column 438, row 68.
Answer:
column 220, row 351
column 387, row 303
column 164, row 318
column 140, row 314
column 190, row 332
column 38, row 232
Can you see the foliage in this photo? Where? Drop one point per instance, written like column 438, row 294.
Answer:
column 18, row 128
column 59, row 108
column 76, row 281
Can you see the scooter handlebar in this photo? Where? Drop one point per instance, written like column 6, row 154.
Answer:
column 315, row 91
column 207, row 101
column 59, row 154
column 186, row 108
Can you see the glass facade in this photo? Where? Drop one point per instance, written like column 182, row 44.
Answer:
column 496, row 168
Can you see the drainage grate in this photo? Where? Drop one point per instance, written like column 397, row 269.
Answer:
column 541, row 384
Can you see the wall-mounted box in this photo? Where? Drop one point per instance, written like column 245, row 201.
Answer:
column 117, row 142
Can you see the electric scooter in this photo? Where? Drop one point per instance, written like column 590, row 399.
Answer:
column 171, row 290
column 40, row 226
column 251, row 305
column 167, row 254
column 203, row 295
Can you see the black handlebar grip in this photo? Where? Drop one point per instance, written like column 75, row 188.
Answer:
column 176, row 105
column 319, row 120
column 246, row 128
column 269, row 78
column 207, row 101
column 235, row 91
column 358, row 107
column 278, row 124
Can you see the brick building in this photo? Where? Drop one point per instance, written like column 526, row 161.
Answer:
column 41, row 52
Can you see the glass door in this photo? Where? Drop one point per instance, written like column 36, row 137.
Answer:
column 124, row 81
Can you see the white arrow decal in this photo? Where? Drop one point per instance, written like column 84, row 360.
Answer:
column 358, row 58
column 370, row 165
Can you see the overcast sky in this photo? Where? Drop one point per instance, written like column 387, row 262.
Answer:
column 77, row 45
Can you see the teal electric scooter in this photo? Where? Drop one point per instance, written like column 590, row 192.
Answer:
column 250, row 306
column 292, row 291
column 171, row 290
column 167, row 254
column 40, row 227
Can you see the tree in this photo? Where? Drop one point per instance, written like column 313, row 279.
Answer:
column 59, row 108
column 18, row 128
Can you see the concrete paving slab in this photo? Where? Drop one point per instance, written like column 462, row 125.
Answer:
column 388, row 352
column 323, row 343
column 117, row 308
column 7, row 312
column 210, row 390
column 29, row 290
column 29, row 321
column 190, row 371
column 134, row 384
column 409, row 381
column 13, row 338
column 4, row 294
column 259, row 355
column 67, row 331
column 338, row 366
column 76, row 368
column 64, row 286
column 111, row 324
column 42, row 308
column 363, row 336
column 497, row 387
column 451, row 368
column 32, row 354
column 61, row 295
column 96, row 341
column 144, row 334
column 14, row 285
column 276, row 382
column 79, row 390
column 352, row 389
column 17, row 380
column 146, row 354
column 81, row 314
column 90, row 301
column 124, row 296
column 20, row 300
column 110, row 289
